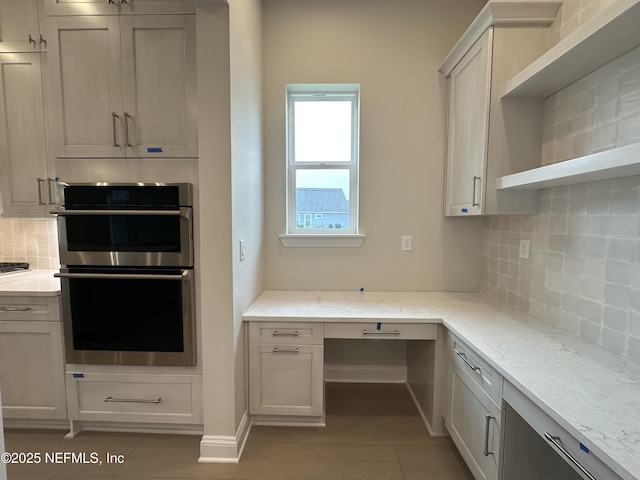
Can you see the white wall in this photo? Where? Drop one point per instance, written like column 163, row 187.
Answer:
column 231, row 196
column 246, row 172
column 393, row 49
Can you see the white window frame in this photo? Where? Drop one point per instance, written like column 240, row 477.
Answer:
column 310, row 237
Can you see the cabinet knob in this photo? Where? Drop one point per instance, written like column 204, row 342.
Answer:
column 30, row 39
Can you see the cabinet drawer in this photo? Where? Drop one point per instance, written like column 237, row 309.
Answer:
column 584, row 462
column 39, row 309
column 135, row 397
column 285, row 333
column 479, row 371
column 370, row 330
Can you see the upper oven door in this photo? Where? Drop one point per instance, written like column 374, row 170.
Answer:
column 126, row 237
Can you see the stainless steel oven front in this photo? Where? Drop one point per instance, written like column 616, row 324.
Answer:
column 126, row 224
column 127, row 274
column 128, row 316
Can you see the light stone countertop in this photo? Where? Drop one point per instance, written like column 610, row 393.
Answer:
column 592, row 393
column 32, row 283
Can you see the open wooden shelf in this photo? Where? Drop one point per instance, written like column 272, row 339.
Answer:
column 615, row 163
column 611, row 33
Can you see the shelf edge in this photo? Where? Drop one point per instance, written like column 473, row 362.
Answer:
column 607, row 165
column 609, row 23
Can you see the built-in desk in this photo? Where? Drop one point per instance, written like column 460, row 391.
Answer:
column 592, row 394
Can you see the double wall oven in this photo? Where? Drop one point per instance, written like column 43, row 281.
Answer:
column 126, row 254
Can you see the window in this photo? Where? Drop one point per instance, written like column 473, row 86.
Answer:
column 322, row 159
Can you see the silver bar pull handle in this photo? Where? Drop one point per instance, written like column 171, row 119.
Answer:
column 15, row 309
column 186, row 275
column 474, row 203
column 114, row 116
column 284, row 350
column 182, row 212
column 381, row 332
column 558, row 445
column 49, row 182
column 276, row 333
column 132, row 400
column 39, row 181
column 126, row 127
column 463, row 356
column 487, row 419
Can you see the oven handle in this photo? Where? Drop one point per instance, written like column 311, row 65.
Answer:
column 185, row 275
column 182, row 212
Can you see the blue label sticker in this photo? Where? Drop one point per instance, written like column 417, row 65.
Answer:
column 464, row 210
column 78, row 375
column 583, row 448
column 154, row 150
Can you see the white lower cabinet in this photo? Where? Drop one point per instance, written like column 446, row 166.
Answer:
column 472, row 411
column 286, row 369
column 144, row 398
column 31, row 358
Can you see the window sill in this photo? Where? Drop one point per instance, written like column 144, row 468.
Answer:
column 319, row 240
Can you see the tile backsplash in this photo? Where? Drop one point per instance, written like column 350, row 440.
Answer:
column 583, row 271
column 34, row 240
column 572, row 14
column 598, row 112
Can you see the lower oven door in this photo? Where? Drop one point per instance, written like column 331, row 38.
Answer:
column 118, row 316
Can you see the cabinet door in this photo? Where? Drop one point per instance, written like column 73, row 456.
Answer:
column 159, row 85
column 23, row 155
column 20, row 26
column 286, row 379
column 113, row 7
column 86, row 77
column 473, row 421
column 468, row 129
column 32, row 370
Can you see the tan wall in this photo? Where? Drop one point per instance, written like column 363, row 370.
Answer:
column 393, row 50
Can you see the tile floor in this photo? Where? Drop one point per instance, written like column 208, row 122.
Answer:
column 373, row 432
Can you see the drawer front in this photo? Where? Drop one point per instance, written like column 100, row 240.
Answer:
column 372, row 330
column 286, row 380
column 285, row 333
column 465, row 359
column 39, row 309
column 135, row 398
column 547, row 428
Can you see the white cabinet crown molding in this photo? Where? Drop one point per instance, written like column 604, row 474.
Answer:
column 611, row 33
column 541, row 13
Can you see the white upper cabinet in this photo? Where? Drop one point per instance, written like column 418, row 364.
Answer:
column 115, row 7
column 486, row 137
column 467, row 128
column 126, row 86
column 21, row 25
column 28, row 186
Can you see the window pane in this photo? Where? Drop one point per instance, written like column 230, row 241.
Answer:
column 322, row 199
column 322, row 131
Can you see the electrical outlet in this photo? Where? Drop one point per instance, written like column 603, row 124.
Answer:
column 524, row 248
column 406, row 243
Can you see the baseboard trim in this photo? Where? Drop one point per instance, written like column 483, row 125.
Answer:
column 365, row 374
column 225, row 449
column 77, row 426
column 427, row 425
column 27, row 424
